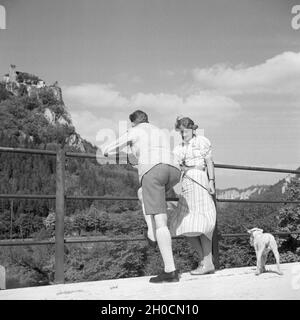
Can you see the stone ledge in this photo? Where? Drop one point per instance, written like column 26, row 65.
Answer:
column 233, row 283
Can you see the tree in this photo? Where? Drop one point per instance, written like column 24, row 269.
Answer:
column 4, row 94
column 47, row 97
column 289, row 221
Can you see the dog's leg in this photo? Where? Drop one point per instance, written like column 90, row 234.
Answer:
column 274, row 248
column 264, row 260
column 259, row 253
column 257, row 265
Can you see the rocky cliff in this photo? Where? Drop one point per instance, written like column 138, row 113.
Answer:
column 235, row 193
column 34, row 112
column 272, row 192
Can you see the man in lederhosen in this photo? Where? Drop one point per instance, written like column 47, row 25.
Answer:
column 158, row 172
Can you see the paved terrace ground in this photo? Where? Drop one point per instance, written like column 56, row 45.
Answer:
column 234, row 283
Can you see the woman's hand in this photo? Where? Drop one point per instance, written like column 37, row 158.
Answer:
column 183, row 168
column 212, row 189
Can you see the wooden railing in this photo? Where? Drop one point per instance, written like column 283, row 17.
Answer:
column 61, row 198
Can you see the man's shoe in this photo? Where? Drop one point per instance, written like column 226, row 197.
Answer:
column 166, row 277
column 151, row 243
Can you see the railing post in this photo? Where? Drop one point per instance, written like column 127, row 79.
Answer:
column 2, row 278
column 215, row 241
column 59, row 217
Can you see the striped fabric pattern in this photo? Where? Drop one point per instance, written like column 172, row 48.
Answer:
column 195, row 213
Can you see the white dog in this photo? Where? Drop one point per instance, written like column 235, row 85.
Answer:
column 263, row 243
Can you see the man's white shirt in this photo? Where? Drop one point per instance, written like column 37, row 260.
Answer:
column 149, row 144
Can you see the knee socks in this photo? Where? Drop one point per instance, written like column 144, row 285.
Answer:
column 164, row 242
column 150, row 224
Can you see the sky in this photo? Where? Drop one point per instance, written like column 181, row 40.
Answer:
column 233, row 66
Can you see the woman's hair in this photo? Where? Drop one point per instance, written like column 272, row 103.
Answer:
column 185, row 122
column 138, row 116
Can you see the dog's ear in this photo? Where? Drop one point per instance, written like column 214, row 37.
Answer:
column 251, row 230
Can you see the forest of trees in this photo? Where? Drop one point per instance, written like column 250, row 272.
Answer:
column 23, row 124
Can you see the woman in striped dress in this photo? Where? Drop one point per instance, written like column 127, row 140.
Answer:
column 195, row 215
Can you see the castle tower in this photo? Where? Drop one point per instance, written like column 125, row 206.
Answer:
column 56, row 91
column 6, row 78
column 12, row 73
column 41, row 84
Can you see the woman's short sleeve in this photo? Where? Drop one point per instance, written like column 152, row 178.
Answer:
column 203, row 146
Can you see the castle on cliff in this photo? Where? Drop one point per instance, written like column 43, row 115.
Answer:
column 18, row 83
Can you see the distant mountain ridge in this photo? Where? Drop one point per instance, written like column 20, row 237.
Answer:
column 275, row 191
column 245, row 193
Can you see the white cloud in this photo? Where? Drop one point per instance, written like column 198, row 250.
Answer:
column 90, row 104
column 94, row 95
column 98, row 111
column 278, row 75
column 262, row 93
column 88, row 125
column 211, row 106
column 161, row 101
column 210, row 101
column 205, row 108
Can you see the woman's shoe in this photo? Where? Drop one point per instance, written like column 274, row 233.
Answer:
column 150, row 242
column 202, row 270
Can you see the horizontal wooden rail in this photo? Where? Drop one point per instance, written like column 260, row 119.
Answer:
column 111, row 198
column 25, row 242
column 30, row 151
column 30, row 242
column 81, row 155
column 104, row 198
column 241, row 235
column 234, row 167
column 94, row 156
column 257, row 201
column 27, row 196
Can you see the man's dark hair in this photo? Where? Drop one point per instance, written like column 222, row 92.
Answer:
column 138, row 116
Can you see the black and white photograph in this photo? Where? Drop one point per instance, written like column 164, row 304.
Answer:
column 149, row 151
